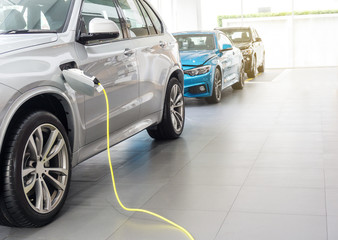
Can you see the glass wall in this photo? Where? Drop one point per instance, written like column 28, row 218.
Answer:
column 303, row 34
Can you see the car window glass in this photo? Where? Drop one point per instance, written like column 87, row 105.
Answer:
column 99, row 9
column 33, row 15
column 238, row 35
column 150, row 24
column 156, row 21
column 223, row 40
column 135, row 21
column 192, row 42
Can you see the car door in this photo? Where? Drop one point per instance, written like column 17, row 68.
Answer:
column 113, row 62
column 153, row 52
column 228, row 61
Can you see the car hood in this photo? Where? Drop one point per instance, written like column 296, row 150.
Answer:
column 242, row 45
column 9, row 43
column 196, row 58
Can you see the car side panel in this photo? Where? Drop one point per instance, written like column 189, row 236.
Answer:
column 155, row 57
column 118, row 73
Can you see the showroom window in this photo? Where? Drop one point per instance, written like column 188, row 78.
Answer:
column 100, row 9
column 135, row 21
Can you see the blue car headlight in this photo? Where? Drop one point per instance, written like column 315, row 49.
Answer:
column 198, row 70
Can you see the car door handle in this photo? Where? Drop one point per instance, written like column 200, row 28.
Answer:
column 128, row 52
column 163, row 44
column 233, row 53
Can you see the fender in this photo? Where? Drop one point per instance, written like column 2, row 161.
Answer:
column 69, row 103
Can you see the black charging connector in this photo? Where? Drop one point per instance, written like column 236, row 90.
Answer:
column 96, row 81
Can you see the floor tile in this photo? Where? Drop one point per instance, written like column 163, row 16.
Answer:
column 249, row 226
column 332, row 202
column 143, row 227
column 290, row 160
column 305, row 201
column 193, row 197
column 294, row 142
column 330, row 161
column 286, row 177
column 231, row 160
column 331, row 178
column 332, row 223
column 211, row 175
column 77, row 223
column 132, row 195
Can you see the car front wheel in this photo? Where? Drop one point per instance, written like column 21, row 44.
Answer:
column 35, row 171
column 261, row 68
column 173, row 118
column 253, row 70
column 217, row 88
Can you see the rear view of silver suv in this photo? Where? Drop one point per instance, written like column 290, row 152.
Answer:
column 47, row 127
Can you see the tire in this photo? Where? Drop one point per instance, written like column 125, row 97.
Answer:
column 217, row 88
column 253, row 70
column 35, row 171
column 240, row 84
column 261, row 68
column 172, row 124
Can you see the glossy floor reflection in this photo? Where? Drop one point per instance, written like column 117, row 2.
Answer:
column 261, row 165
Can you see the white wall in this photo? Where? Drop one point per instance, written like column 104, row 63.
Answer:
column 308, row 41
column 179, row 15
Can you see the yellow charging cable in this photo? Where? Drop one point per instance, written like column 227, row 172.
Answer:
column 114, row 184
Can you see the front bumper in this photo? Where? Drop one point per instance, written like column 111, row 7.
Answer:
column 198, row 86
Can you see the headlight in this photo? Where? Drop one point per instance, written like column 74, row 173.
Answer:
column 247, row 52
column 198, row 70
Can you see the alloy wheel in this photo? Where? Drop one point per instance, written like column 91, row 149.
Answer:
column 45, row 168
column 218, row 85
column 177, row 108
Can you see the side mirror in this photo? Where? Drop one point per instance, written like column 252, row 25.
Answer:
column 226, row 47
column 100, row 29
column 258, row 39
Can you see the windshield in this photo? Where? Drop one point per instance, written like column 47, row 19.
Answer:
column 238, row 35
column 33, row 15
column 196, row 42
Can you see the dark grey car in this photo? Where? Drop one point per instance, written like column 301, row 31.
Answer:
column 46, row 126
column 251, row 45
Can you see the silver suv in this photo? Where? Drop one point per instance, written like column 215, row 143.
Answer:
column 47, row 125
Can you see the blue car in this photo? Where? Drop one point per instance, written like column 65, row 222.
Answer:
column 210, row 63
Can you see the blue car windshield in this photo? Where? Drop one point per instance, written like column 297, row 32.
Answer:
column 27, row 16
column 191, row 42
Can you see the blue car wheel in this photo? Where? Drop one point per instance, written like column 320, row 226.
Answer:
column 217, row 88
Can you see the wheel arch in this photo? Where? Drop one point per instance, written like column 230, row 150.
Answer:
column 178, row 73
column 51, row 101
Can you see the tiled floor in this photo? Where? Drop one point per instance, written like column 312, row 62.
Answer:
column 261, row 165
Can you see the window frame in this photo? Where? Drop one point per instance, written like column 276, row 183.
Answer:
column 125, row 21
column 144, row 11
column 142, row 2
